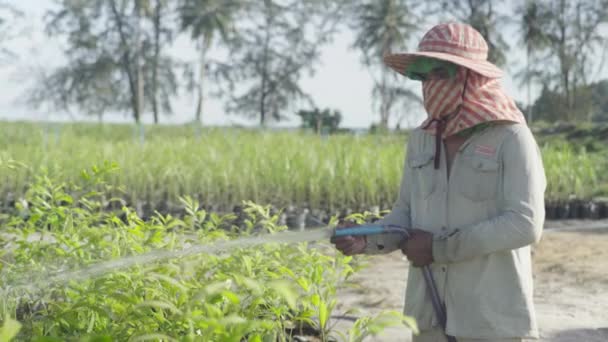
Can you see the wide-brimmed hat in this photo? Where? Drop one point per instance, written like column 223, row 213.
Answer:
column 453, row 42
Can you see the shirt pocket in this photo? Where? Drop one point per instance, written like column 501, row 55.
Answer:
column 423, row 174
column 479, row 178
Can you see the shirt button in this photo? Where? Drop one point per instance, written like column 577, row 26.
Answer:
column 443, row 268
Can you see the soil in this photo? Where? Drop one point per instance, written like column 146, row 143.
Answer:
column 571, row 285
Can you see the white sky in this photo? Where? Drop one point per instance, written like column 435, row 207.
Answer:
column 340, row 80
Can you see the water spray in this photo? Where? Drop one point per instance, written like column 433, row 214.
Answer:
column 309, row 235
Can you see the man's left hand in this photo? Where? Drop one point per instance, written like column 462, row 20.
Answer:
column 419, row 248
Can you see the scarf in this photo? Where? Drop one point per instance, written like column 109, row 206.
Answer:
column 462, row 102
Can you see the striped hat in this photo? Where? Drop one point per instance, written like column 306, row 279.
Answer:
column 453, row 42
column 474, row 96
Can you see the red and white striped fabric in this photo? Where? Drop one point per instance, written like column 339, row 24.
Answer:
column 483, row 99
column 454, row 42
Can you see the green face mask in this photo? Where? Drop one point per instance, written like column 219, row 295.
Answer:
column 419, row 69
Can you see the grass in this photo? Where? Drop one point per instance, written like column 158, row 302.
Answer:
column 573, row 172
column 223, row 167
column 219, row 166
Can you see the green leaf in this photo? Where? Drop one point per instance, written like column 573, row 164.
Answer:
column 247, row 263
column 410, row 322
column 157, row 304
column 66, row 198
column 315, row 299
column 255, row 338
column 287, row 271
column 10, row 329
column 304, row 283
column 233, row 320
column 323, row 314
column 215, row 288
column 170, row 281
column 252, row 285
column 286, row 291
column 385, row 319
column 231, row 296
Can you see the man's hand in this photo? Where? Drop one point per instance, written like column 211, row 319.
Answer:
column 418, row 248
column 349, row 245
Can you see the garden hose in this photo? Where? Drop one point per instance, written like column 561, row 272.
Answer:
column 431, row 285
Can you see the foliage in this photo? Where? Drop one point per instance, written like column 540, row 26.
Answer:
column 567, row 36
column 114, row 61
column 582, row 176
column 219, row 167
column 267, row 293
column 552, row 105
column 370, row 326
column 10, row 329
column 590, row 100
column 222, row 167
column 483, row 16
column 278, row 42
column 320, row 121
column 206, row 20
column 117, row 59
column 8, row 22
column 528, row 17
column 381, row 27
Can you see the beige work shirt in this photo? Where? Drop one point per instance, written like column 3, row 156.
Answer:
column 484, row 220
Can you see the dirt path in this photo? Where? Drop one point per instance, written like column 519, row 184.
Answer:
column 571, row 287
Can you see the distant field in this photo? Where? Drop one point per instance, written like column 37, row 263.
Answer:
column 225, row 166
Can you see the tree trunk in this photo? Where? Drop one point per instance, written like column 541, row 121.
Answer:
column 126, row 59
column 138, row 63
column 265, row 74
column 319, row 116
column 201, row 78
column 157, row 29
column 528, row 84
column 563, row 57
column 384, row 113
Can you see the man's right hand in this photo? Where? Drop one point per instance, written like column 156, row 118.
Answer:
column 349, row 245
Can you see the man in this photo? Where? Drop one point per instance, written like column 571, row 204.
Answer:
column 472, row 193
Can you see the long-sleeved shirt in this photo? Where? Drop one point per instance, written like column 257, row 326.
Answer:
column 484, row 219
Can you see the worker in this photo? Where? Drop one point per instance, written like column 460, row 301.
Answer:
column 472, row 195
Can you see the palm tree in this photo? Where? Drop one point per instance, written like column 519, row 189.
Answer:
column 380, row 26
column 206, row 19
column 485, row 18
column 531, row 17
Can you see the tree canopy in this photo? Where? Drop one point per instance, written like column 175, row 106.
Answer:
column 117, row 52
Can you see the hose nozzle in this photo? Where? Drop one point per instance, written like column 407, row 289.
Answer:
column 369, row 229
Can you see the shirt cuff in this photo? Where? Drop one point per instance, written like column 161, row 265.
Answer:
column 440, row 248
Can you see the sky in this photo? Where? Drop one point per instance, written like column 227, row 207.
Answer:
column 340, row 81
